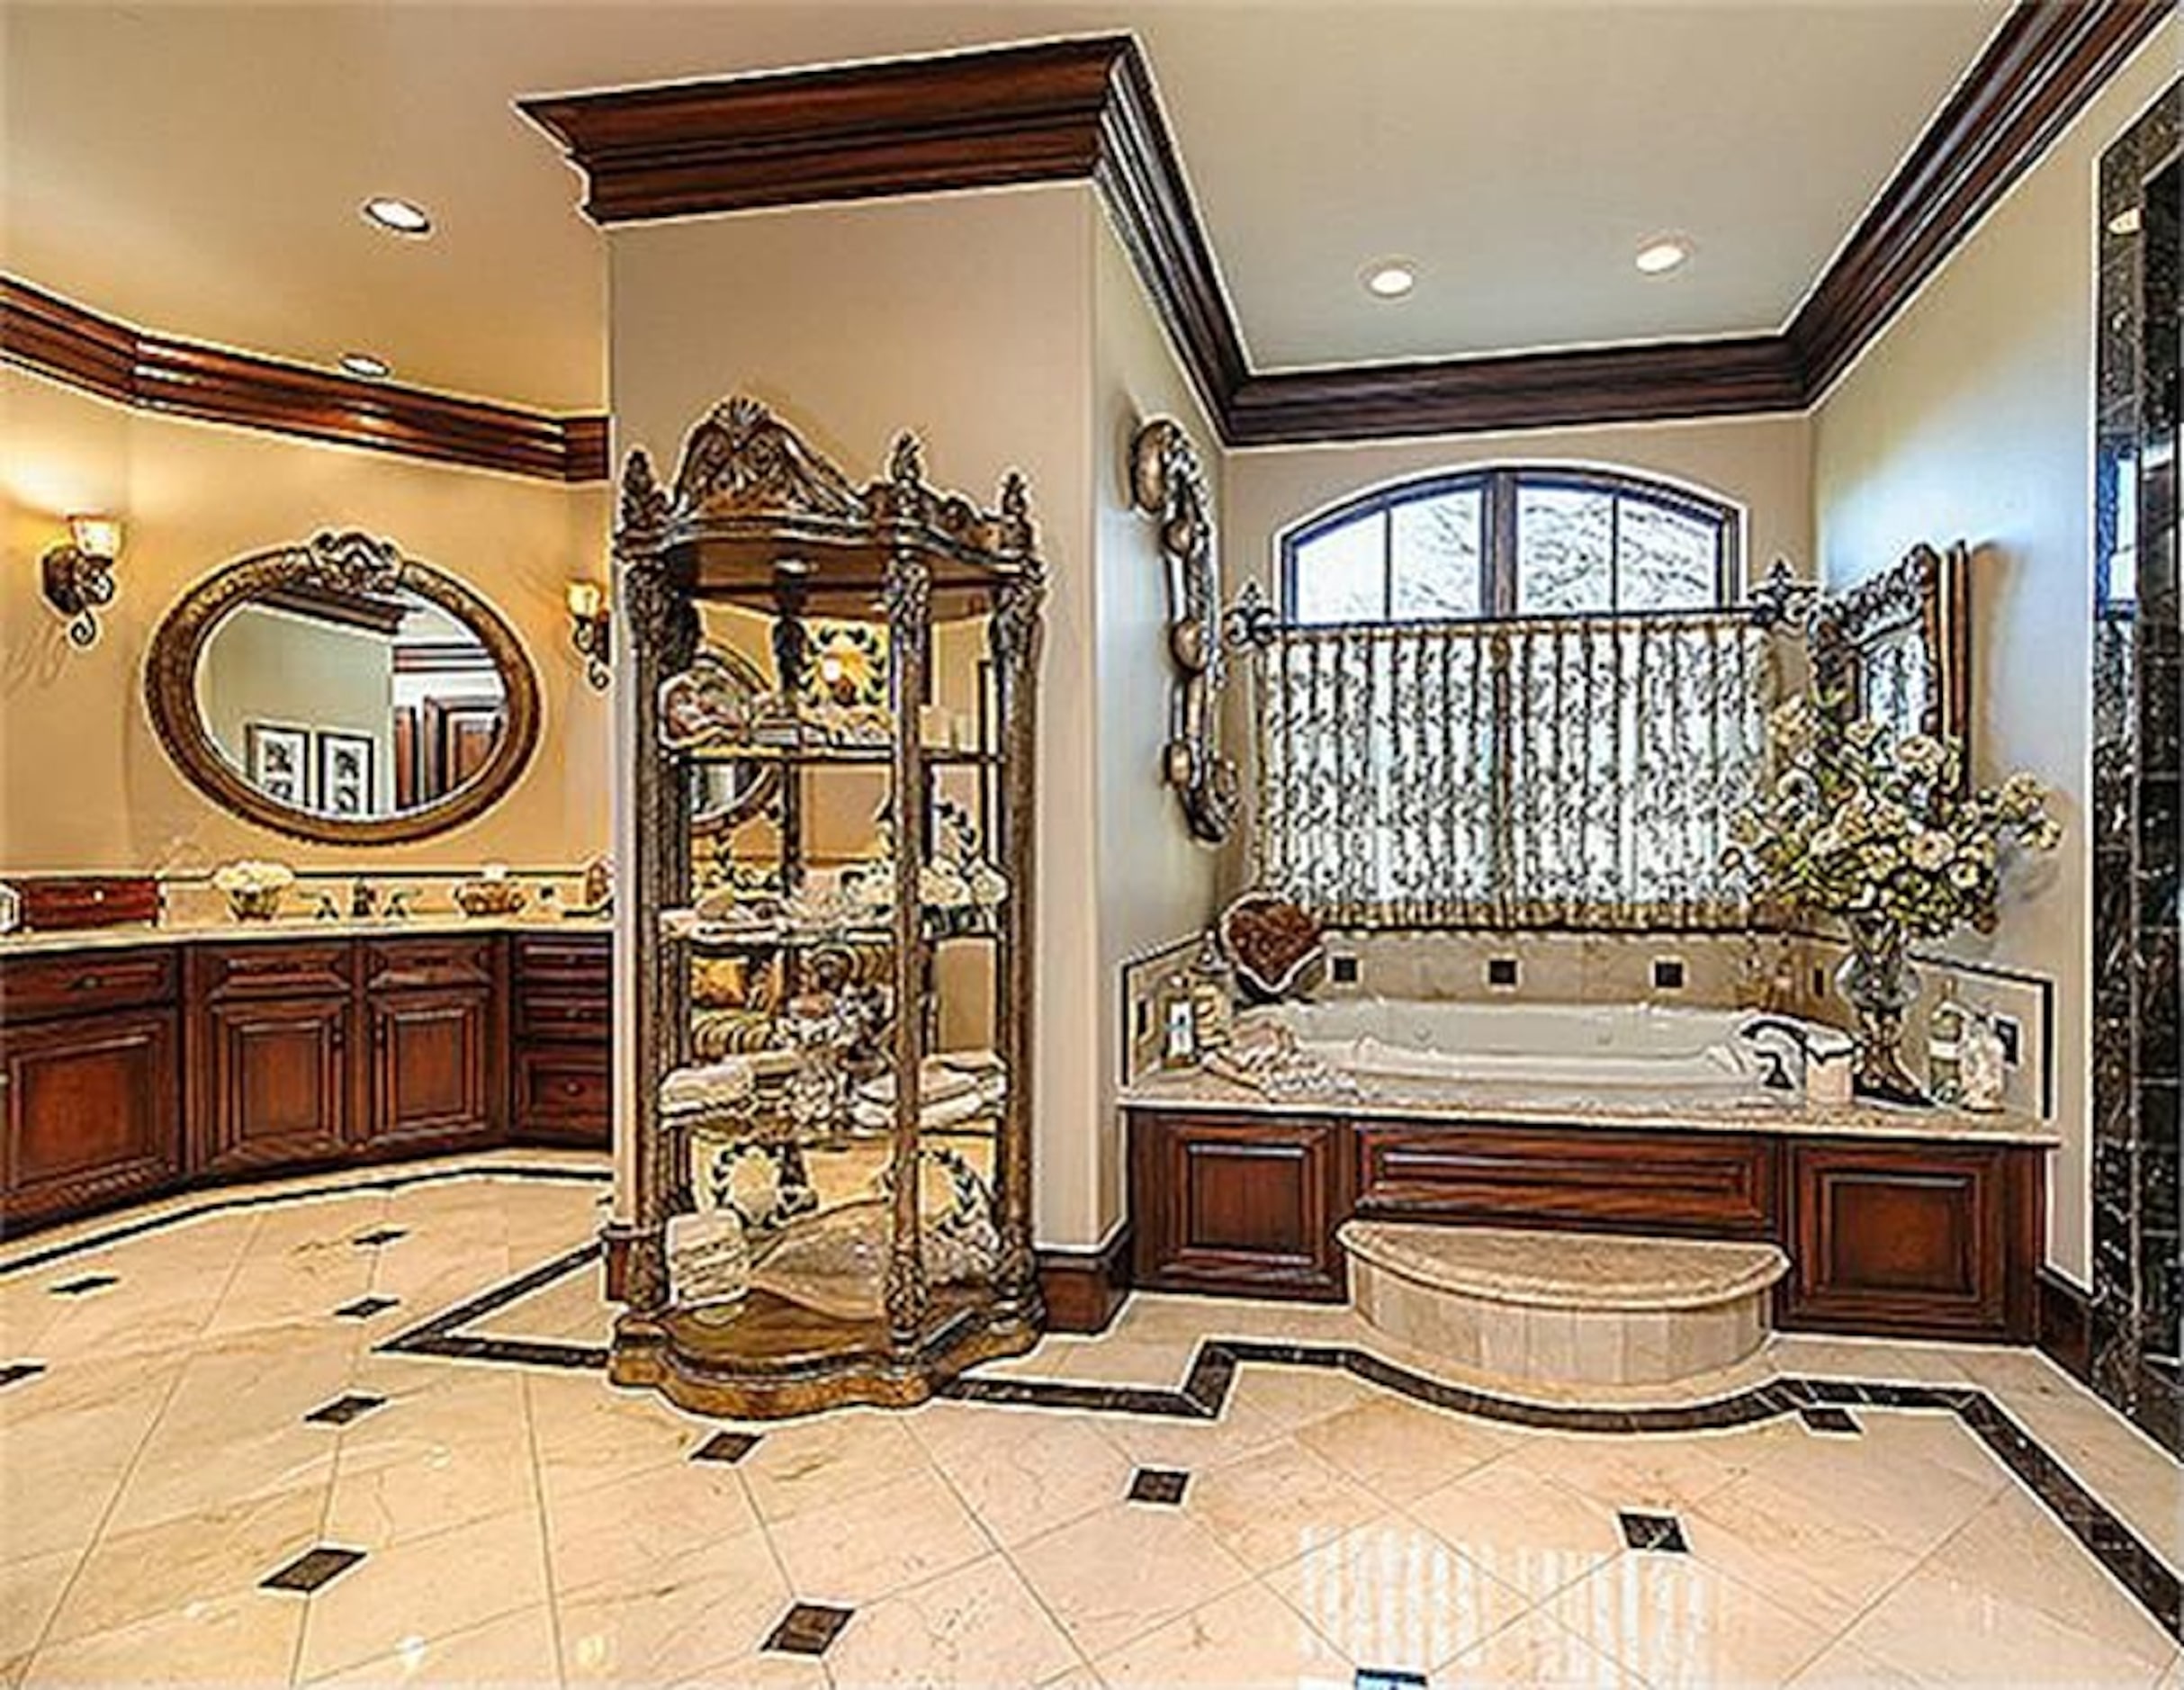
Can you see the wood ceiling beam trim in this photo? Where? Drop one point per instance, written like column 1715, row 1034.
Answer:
column 42, row 332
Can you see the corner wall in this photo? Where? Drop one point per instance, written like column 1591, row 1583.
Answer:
column 1971, row 417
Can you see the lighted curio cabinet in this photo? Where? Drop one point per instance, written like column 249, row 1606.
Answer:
column 830, row 772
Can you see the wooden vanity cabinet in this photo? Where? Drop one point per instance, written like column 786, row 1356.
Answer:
column 269, row 1043
column 436, row 1075
column 560, row 1090
column 90, row 1081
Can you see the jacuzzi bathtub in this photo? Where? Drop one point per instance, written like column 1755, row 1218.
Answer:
column 1584, row 1046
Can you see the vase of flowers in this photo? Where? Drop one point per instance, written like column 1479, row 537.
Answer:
column 1887, row 836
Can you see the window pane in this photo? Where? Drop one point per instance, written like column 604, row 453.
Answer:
column 1667, row 560
column 1339, row 574
column 1436, row 557
column 1564, row 537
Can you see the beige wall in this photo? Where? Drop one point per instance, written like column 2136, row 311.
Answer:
column 84, row 782
column 268, row 666
column 1971, row 418
column 967, row 317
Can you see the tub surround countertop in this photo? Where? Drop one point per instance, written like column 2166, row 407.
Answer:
column 1561, row 1270
column 1195, row 1090
column 422, row 924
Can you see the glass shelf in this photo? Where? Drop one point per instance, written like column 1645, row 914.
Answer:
column 822, row 756
column 720, row 940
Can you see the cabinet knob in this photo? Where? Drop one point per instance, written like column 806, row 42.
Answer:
column 88, row 983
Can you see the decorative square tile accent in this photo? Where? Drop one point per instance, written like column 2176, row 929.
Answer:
column 1501, row 971
column 810, row 1628
column 1388, row 1678
column 88, row 1283
column 378, row 1236
column 16, row 1373
column 1662, row 1531
column 1668, row 973
column 730, row 1447
column 311, row 1570
column 343, row 1409
column 364, row 1308
column 1835, row 1420
column 1163, row 1484
column 1342, row 970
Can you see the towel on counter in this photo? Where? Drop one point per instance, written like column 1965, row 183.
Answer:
column 714, row 1085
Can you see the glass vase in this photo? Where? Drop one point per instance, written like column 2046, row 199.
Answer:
column 1877, row 981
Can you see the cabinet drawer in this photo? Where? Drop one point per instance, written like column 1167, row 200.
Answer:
column 34, row 988
column 574, row 959
column 297, row 968
column 564, row 1094
column 579, row 1018
column 1718, row 1184
column 89, row 1113
column 401, row 965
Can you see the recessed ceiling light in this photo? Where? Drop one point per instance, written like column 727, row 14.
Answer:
column 1657, row 257
column 2126, row 221
column 1390, row 278
column 398, row 217
column 364, row 364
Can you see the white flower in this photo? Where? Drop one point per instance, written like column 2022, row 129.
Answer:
column 1931, row 850
column 250, row 875
column 1920, row 754
column 942, row 887
column 1829, row 840
column 988, row 886
column 1964, row 874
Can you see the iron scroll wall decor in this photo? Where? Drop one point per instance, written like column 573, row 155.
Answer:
column 1168, row 484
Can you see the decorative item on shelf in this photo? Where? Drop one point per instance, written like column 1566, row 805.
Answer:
column 1275, row 945
column 492, row 893
column 1212, row 994
column 954, row 1087
column 1888, row 836
column 961, row 891
column 1178, row 1021
column 598, row 897
column 708, row 1262
column 11, row 908
column 591, row 631
column 254, row 888
column 1981, row 1062
column 847, row 665
column 1168, row 483
column 1944, row 1032
column 78, row 575
column 1265, row 1054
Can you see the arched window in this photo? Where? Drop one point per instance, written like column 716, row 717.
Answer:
column 1512, row 542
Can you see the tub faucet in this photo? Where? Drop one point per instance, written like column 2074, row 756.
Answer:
column 363, row 900
column 1777, row 1078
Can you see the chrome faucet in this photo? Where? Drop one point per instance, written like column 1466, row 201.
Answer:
column 1778, row 1075
column 363, row 901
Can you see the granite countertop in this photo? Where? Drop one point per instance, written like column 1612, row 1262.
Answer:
column 1606, row 1107
column 427, row 923
column 1557, row 1270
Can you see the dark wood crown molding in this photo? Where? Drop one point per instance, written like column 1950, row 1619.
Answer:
column 42, row 332
column 2036, row 73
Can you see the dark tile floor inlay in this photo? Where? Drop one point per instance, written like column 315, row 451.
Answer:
column 1388, row 1678
column 1662, row 1531
column 810, row 1628
column 1836, row 1420
column 354, row 1405
column 1163, row 1484
column 312, row 1568
column 379, row 1235
column 364, row 1308
column 88, row 1283
column 14, row 1372
column 730, row 1447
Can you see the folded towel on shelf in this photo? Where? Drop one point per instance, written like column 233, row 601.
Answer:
column 980, row 1100
column 714, row 1085
column 938, row 1082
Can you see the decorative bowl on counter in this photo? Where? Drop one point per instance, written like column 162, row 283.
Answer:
column 491, row 895
column 1274, row 946
column 253, row 888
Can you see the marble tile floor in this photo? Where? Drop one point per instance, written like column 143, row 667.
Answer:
column 213, row 1474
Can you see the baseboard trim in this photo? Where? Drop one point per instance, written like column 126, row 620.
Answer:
column 2064, row 1330
column 1083, row 1289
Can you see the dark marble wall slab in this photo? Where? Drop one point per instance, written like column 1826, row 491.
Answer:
column 2137, row 1316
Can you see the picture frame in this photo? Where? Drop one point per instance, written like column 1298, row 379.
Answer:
column 277, row 761
column 346, row 770
column 1897, row 648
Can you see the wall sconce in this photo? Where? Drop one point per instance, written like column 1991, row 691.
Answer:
column 78, row 575
column 589, row 630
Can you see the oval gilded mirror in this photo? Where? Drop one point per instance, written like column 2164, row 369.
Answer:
column 342, row 691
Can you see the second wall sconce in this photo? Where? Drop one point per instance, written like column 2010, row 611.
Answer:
column 78, row 575
column 591, row 631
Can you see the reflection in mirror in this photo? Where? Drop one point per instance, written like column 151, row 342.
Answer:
column 351, row 706
column 342, row 691
column 724, row 794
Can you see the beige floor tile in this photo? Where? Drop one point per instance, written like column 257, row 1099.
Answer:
column 1642, row 1472
column 977, row 1626
column 1242, row 1640
column 181, row 1475
column 1120, row 1573
column 30, row 1590
column 1293, row 1397
column 1536, row 1652
column 425, row 1586
column 1393, row 1594
column 1400, row 1449
column 1910, row 1480
column 651, row 1530
column 1194, row 1446
column 438, row 1459
column 1160, row 1364
column 1673, row 1621
column 768, row 1671
column 1527, row 1530
column 1824, row 1561
column 1844, row 1665
column 516, row 1650
column 683, row 1630
column 232, row 1641
column 1278, row 1503
column 812, row 1463
column 876, row 1541
column 133, row 1576
column 1021, row 1471
column 55, row 1494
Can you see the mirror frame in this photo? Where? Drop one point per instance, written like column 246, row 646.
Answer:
column 766, row 783
column 348, row 561
column 1926, row 597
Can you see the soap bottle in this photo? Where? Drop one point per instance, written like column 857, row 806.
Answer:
column 1211, row 996
column 1944, row 1048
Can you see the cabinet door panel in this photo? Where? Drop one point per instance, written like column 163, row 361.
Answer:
column 563, row 1095
column 432, row 1066
column 92, row 1113
column 276, row 1083
column 1246, row 1207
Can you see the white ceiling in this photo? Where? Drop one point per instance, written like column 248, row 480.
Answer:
column 197, row 170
